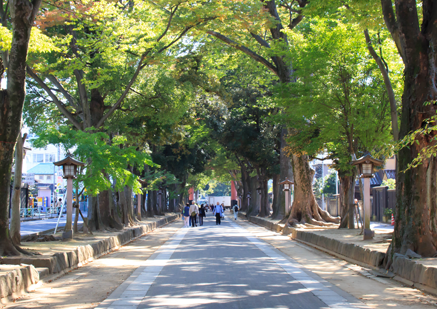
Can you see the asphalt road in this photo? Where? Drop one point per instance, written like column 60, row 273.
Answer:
column 30, row 227
column 224, row 267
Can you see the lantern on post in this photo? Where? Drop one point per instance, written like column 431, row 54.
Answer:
column 287, row 189
column 366, row 165
column 69, row 168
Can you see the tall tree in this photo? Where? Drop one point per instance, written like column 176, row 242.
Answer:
column 22, row 16
column 340, row 108
column 276, row 48
column 412, row 26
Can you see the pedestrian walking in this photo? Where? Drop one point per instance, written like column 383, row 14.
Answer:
column 186, row 216
column 194, row 211
column 202, row 214
column 218, row 210
column 235, row 211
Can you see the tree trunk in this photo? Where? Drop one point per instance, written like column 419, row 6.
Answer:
column 305, row 208
column 11, row 105
column 264, row 197
column 388, row 86
column 156, row 209
column 253, row 208
column 245, row 179
column 278, row 211
column 164, row 200
column 347, row 193
column 124, row 207
column 107, row 211
column 93, row 213
column 129, row 205
column 172, row 205
column 149, row 204
column 416, row 188
column 16, row 193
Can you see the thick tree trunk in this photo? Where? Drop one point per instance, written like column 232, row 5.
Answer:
column 264, row 197
column 155, row 205
column 149, row 205
column 11, row 105
column 416, row 188
column 164, row 200
column 253, row 209
column 245, row 179
column 107, row 211
column 173, row 202
column 305, row 208
column 124, row 207
column 93, row 213
column 278, row 211
column 347, row 193
column 16, row 193
column 6, row 154
column 129, row 204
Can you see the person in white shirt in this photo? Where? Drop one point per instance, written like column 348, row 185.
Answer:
column 194, row 211
column 218, row 210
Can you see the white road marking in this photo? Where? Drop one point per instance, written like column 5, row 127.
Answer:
column 140, row 281
column 294, row 269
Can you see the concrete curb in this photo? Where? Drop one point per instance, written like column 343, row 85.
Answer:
column 61, row 262
column 406, row 271
column 47, row 232
column 16, row 280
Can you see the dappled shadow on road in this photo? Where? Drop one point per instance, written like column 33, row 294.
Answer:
column 217, row 267
column 87, row 286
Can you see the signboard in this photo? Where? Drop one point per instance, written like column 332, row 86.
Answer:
column 29, row 179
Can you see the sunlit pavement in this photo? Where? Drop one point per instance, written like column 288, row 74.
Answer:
column 224, row 267
column 381, row 226
column 30, row 227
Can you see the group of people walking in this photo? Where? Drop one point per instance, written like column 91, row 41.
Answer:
column 191, row 212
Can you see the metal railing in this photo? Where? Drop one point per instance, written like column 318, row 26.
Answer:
column 39, row 212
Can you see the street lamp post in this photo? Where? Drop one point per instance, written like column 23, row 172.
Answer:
column 287, row 186
column 69, row 167
column 366, row 165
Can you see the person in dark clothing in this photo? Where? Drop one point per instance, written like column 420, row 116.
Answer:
column 186, row 214
column 201, row 214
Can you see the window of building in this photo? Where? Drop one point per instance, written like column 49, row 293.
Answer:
column 48, row 177
column 50, row 157
column 40, row 177
column 38, row 157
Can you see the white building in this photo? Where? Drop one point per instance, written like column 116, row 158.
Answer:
column 39, row 161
